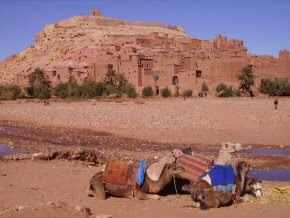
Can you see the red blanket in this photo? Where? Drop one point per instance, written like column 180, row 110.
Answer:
column 116, row 172
column 194, row 166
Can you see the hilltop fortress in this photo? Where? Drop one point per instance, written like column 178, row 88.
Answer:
column 86, row 47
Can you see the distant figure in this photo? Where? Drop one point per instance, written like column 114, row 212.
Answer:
column 205, row 94
column 46, row 102
column 276, row 103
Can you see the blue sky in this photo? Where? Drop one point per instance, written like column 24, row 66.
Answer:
column 263, row 25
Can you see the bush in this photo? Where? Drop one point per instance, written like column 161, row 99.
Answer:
column 275, row 87
column 9, row 92
column 69, row 89
column 223, row 90
column 221, row 87
column 61, row 90
column 92, row 89
column 236, row 93
column 39, row 85
column 187, row 93
column 130, row 91
column 166, row 92
column 147, row 91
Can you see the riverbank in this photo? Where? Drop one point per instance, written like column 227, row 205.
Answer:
column 194, row 120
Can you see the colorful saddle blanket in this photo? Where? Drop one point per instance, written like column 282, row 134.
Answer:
column 119, row 172
column 116, row 172
column 194, row 166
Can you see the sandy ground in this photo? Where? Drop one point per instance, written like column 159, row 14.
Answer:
column 56, row 188
column 133, row 130
column 211, row 121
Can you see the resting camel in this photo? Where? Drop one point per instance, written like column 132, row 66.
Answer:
column 209, row 198
column 149, row 190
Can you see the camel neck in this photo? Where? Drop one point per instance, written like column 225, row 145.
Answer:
column 157, row 186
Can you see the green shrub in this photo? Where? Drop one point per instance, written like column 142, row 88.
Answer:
column 92, row 89
column 147, row 91
column 130, row 91
column 236, row 92
column 228, row 92
column 61, row 90
column 275, row 87
column 187, row 93
column 9, row 92
column 221, row 87
column 166, row 92
column 223, row 90
column 39, row 85
column 70, row 89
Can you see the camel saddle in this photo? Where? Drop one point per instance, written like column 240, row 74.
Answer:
column 119, row 172
column 194, row 165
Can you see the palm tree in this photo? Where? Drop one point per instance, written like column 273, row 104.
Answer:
column 246, row 78
column 156, row 78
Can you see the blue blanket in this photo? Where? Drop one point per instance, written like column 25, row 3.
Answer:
column 141, row 173
column 222, row 175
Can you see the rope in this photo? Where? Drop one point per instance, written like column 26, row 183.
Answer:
column 175, row 185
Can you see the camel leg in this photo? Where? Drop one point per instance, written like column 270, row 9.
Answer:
column 97, row 186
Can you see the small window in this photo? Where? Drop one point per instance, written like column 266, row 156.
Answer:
column 198, row 73
column 54, row 73
column 175, row 80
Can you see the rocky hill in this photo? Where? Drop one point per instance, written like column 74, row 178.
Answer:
column 76, row 42
column 88, row 46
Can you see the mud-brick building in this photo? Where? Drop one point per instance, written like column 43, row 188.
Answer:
column 87, row 47
column 180, row 62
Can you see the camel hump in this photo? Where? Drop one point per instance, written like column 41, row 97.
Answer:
column 154, row 171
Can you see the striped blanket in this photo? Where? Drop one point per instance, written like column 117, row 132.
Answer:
column 194, row 166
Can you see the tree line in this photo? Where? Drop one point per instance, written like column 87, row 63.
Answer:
column 115, row 85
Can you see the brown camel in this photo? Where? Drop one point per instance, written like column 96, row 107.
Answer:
column 209, row 198
column 149, row 189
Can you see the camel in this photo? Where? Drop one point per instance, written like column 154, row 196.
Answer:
column 209, row 198
column 149, row 190
column 226, row 153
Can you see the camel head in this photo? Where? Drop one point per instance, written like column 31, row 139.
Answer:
column 173, row 169
column 253, row 186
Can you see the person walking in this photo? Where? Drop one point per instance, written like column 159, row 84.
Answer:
column 276, row 103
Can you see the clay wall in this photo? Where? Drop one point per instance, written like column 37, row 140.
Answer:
column 141, row 57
